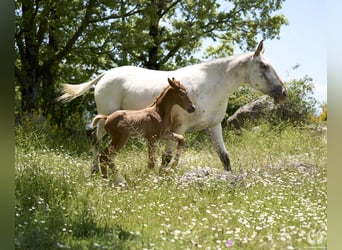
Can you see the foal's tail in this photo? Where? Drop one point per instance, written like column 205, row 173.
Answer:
column 71, row 91
column 97, row 119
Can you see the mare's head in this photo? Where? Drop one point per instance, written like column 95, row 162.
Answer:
column 180, row 96
column 263, row 77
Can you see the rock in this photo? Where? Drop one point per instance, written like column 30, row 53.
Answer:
column 293, row 164
column 207, row 173
column 251, row 111
column 243, row 176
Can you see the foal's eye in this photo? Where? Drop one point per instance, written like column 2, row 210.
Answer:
column 182, row 93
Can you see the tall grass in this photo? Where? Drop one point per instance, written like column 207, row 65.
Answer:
column 276, row 203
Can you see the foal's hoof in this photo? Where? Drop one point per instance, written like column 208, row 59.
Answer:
column 166, row 159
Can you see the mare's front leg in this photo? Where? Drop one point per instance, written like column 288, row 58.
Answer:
column 215, row 134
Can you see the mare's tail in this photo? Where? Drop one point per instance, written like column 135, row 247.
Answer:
column 97, row 119
column 71, row 91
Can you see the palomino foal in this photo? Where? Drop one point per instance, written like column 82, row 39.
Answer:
column 153, row 122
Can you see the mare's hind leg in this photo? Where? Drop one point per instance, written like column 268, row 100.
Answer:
column 97, row 136
column 107, row 160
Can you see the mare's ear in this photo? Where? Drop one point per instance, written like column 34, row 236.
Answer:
column 260, row 49
column 172, row 83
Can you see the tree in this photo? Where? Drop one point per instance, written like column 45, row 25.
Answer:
column 169, row 32
column 56, row 38
column 69, row 41
column 243, row 22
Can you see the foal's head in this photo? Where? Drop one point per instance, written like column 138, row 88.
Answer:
column 179, row 95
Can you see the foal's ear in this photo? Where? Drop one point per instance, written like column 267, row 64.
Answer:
column 173, row 83
column 260, row 49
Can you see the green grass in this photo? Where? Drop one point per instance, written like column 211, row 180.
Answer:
column 273, row 205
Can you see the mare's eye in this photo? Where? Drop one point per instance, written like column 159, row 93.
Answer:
column 264, row 66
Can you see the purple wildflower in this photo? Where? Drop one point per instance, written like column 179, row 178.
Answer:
column 229, row 243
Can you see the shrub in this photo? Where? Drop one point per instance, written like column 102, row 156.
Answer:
column 323, row 117
column 240, row 97
column 300, row 105
column 37, row 131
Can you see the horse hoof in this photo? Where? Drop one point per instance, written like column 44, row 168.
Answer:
column 228, row 168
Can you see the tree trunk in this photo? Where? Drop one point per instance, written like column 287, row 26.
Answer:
column 30, row 83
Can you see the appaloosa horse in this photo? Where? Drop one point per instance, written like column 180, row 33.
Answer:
column 209, row 85
column 153, row 122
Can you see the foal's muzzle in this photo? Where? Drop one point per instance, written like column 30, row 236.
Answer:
column 191, row 109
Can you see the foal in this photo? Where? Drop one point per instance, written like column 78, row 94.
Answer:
column 153, row 122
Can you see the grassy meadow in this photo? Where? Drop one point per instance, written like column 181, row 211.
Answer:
column 278, row 199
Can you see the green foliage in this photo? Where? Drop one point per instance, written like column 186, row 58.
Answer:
column 300, row 105
column 59, row 205
column 323, row 117
column 244, row 21
column 34, row 129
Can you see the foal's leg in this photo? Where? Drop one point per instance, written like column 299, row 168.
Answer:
column 170, row 146
column 215, row 134
column 174, row 137
column 180, row 147
column 167, row 155
column 151, row 153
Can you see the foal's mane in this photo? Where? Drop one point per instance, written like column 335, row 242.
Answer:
column 160, row 96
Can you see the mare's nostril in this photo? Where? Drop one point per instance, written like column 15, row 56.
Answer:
column 284, row 92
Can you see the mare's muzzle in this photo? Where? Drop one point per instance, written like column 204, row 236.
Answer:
column 280, row 95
